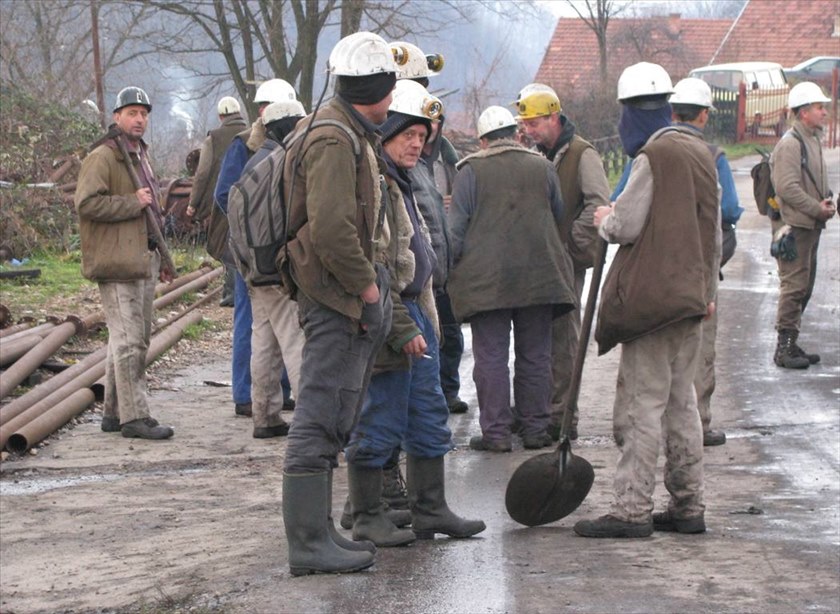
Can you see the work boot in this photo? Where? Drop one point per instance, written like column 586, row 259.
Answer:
column 393, row 487
column 369, row 519
column 785, row 355
column 535, row 442
column 289, row 404
column 610, row 526
column 457, row 406
column 266, row 432
column 305, row 512
column 400, row 518
column 228, row 288
column 110, row 424
column 798, row 351
column 714, row 438
column 554, row 431
column 427, row 496
column 485, row 445
column 665, row 521
column 243, row 409
column 338, row 538
column 146, row 428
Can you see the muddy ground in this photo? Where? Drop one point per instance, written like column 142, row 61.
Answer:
column 98, row 523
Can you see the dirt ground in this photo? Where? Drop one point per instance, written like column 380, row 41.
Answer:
column 97, row 523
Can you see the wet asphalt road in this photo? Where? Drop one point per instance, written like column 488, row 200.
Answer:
column 211, row 533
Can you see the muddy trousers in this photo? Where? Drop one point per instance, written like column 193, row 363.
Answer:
column 796, row 279
column 532, row 369
column 565, row 333
column 336, row 366
column 276, row 340
column 655, row 397
column 704, row 379
column 128, row 307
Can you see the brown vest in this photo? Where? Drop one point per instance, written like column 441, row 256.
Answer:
column 568, row 166
column 665, row 276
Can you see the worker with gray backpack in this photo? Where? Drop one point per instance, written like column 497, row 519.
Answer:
column 800, row 181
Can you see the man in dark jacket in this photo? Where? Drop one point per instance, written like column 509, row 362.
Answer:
column 201, row 199
column 119, row 253
column 510, row 267
column 660, row 286
column 337, row 203
column 405, row 404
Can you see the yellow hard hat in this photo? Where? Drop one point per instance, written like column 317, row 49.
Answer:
column 538, row 104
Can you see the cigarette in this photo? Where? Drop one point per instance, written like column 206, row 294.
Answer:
column 427, row 357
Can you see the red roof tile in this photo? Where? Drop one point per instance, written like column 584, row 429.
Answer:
column 787, row 32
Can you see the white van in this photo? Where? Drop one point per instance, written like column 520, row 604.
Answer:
column 766, row 89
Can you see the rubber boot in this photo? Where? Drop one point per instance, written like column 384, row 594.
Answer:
column 227, row 288
column 427, row 497
column 338, row 538
column 393, row 484
column 785, row 355
column 369, row 519
column 400, row 518
column 305, row 513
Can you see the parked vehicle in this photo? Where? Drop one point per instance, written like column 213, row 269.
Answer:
column 818, row 69
column 766, row 91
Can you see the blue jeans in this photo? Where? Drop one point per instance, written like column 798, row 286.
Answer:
column 241, row 359
column 404, row 407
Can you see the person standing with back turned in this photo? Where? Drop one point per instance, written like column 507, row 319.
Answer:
column 660, row 285
column 336, row 202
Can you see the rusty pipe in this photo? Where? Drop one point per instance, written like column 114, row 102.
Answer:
column 41, row 391
column 10, row 351
column 26, row 364
column 22, row 403
column 41, row 330
column 54, row 417
column 196, row 284
column 16, row 328
column 164, row 288
column 196, row 305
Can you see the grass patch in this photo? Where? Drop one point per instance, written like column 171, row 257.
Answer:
column 61, row 278
column 740, row 150
column 196, row 331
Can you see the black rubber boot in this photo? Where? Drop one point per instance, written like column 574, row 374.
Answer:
column 227, row 288
column 393, row 484
column 785, row 355
column 427, row 497
column 400, row 518
column 305, row 513
column 369, row 519
column 338, row 538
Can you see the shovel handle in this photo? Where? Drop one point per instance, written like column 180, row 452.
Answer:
column 151, row 222
column 583, row 341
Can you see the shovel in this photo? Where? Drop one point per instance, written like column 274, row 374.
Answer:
column 550, row 486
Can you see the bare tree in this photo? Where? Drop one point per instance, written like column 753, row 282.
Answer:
column 599, row 14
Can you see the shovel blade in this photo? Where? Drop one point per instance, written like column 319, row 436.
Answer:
column 542, row 491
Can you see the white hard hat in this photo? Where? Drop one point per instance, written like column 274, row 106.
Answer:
column 804, row 93
column 284, row 108
column 644, row 79
column 274, row 90
column 533, row 88
column 412, row 63
column 494, row 118
column 692, row 91
column 228, row 105
column 361, row 54
column 411, row 98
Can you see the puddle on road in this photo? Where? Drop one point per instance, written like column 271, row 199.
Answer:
column 35, row 485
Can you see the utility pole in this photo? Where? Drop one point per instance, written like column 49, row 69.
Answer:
column 97, row 64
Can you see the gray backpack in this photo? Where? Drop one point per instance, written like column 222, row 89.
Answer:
column 257, row 211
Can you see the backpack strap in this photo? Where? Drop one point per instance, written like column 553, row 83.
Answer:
column 803, row 153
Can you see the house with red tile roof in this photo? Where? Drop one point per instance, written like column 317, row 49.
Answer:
column 571, row 61
column 783, row 31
